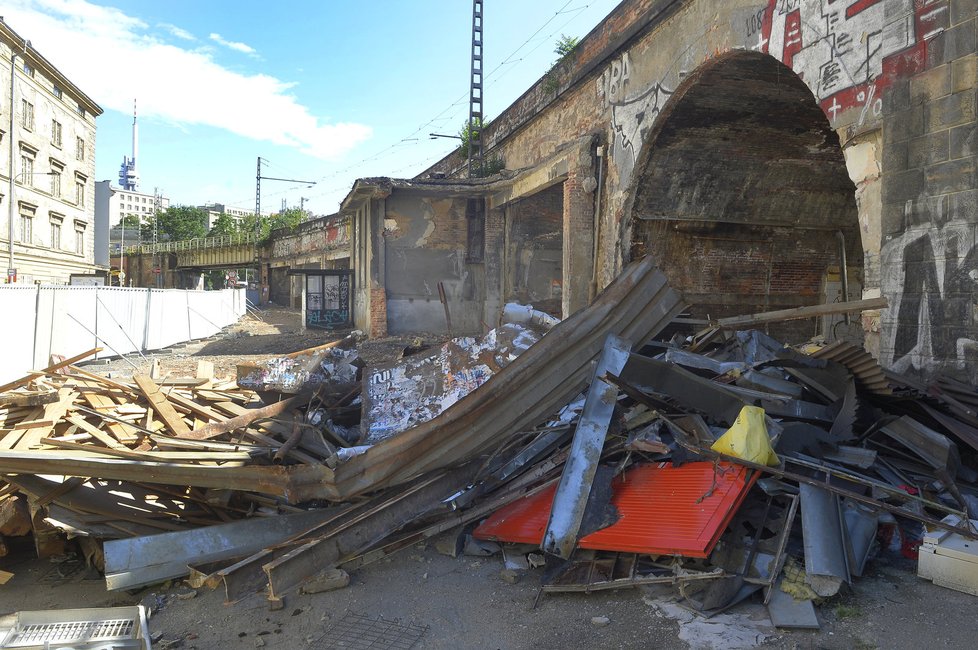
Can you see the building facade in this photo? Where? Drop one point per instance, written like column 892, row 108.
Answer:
column 215, row 210
column 112, row 205
column 47, row 165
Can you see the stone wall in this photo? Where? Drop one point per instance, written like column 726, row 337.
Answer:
column 894, row 81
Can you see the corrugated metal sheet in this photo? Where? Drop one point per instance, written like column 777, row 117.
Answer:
column 636, row 306
column 664, row 510
column 867, row 371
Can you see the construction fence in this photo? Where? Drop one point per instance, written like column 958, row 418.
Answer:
column 39, row 321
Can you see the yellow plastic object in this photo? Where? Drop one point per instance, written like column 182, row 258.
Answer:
column 748, row 438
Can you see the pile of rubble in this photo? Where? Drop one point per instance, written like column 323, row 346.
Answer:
column 726, row 464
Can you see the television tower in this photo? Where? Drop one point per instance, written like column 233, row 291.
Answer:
column 128, row 176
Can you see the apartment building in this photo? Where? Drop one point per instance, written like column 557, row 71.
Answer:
column 47, row 168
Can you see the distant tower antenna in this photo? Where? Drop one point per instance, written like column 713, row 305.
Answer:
column 128, row 176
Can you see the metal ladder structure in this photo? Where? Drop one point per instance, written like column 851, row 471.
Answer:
column 475, row 94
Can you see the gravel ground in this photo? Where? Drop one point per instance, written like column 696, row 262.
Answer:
column 463, row 602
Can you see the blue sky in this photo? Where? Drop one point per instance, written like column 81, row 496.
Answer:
column 326, row 90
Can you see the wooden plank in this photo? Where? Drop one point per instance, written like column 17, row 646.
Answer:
column 226, row 458
column 95, row 432
column 126, row 388
column 29, row 399
column 121, row 432
column 247, row 417
column 163, row 407
column 802, row 312
column 53, row 413
column 34, row 374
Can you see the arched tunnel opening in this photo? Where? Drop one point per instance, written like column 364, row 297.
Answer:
column 744, row 199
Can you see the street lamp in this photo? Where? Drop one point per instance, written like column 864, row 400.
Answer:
column 11, row 271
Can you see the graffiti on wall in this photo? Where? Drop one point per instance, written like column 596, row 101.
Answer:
column 846, row 51
column 934, row 272
column 328, row 300
column 328, row 235
column 630, row 115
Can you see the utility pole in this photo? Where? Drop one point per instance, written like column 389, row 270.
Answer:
column 259, row 178
column 475, row 94
column 157, row 208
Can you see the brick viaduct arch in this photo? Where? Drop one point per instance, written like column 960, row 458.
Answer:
column 684, row 125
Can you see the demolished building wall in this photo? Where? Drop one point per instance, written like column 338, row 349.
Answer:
column 431, row 286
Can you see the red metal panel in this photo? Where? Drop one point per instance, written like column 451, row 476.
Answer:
column 664, row 510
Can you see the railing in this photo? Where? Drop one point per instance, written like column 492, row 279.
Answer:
column 197, row 243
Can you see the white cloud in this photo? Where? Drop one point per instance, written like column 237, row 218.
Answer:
column 178, row 32
column 233, row 45
column 113, row 58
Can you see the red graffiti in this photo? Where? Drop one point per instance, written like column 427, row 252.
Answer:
column 865, row 94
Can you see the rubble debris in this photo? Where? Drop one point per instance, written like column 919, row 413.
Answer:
column 331, row 368
column 615, row 463
column 328, row 580
column 405, row 393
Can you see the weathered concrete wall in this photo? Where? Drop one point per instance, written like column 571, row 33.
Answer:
column 895, row 81
column 425, row 240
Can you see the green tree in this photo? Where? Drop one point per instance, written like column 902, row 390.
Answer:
column 264, row 224
column 224, row 225
column 289, row 218
column 466, row 135
column 176, row 223
column 131, row 221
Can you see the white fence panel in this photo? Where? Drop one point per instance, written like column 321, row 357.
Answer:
column 204, row 313
column 72, row 323
column 121, row 319
column 19, row 319
column 65, row 320
column 168, row 318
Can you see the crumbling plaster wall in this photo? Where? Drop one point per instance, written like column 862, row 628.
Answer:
column 896, row 80
column 425, row 244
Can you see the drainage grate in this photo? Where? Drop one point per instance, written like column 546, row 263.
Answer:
column 358, row 632
column 91, row 629
column 72, row 631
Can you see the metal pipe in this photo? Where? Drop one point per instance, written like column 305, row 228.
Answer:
column 843, row 270
column 599, row 154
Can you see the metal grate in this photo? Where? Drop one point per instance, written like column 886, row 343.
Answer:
column 359, row 632
column 36, row 634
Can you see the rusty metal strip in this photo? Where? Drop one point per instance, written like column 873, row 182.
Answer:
column 290, row 570
column 571, row 498
column 860, row 363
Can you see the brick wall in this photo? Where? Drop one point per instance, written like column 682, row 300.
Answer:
column 378, row 313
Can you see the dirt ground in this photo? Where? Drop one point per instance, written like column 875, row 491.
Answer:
column 448, row 603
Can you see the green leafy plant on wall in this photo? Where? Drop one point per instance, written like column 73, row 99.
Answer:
column 565, row 45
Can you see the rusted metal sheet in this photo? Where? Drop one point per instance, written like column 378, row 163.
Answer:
column 548, row 375
column 867, row 371
column 571, row 498
column 664, row 511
